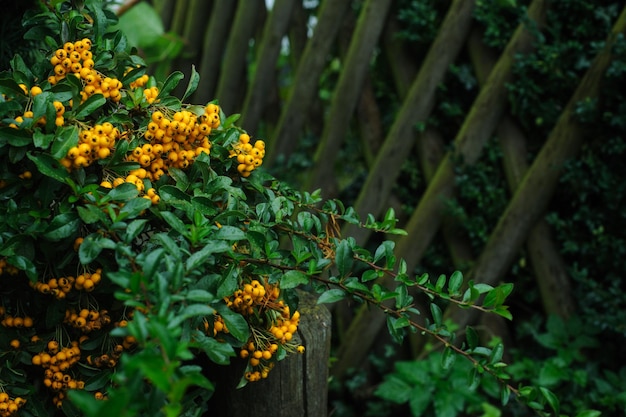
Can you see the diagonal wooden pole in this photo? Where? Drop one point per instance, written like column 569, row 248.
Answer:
column 533, row 194
column 426, row 220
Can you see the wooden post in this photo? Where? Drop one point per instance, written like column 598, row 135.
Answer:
column 296, row 387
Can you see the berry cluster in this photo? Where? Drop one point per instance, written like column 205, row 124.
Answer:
column 87, row 320
column 274, row 327
column 173, row 141
column 7, row 268
column 94, row 143
column 8, row 405
column 18, row 322
column 170, row 141
column 248, row 156
column 56, row 362
column 76, row 58
column 218, row 325
column 151, row 94
column 61, row 287
column 252, row 294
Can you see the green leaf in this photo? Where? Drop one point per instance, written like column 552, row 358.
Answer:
column 394, row 389
column 174, row 196
column 133, row 208
column 385, row 249
column 474, row 379
column 455, row 283
column 170, row 83
column 90, row 105
column 133, row 229
column 65, row 138
column 24, row 264
column 505, row 394
column 190, row 311
column 218, row 352
column 62, row 226
column 193, row 83
column 85, row 401
column 369, row 275
column 42, row 140
column 344, row 258
column 293, row 279
column 182, row 182
column 448, row 358
column 437, row 314
column 176, row 223
column 92, row 246
column 589, row 413
column 441, row 282
column 123, row 192
column 200, row 257
column 471, row 337
column 200, row 296
column 15, row 137
column 419, row 401
column 496, row 353
column 49, row 166
column 229, row 233
column 503, row 311
column 237, row 325
column 90, row 214
column 331, row 296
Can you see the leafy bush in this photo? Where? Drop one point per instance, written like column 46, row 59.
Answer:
column 139, row 240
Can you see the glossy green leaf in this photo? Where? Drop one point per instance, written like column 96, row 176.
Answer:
column 589, row 413
column 455, row 282
column 92, row 246
column 65, row 138
column 293, row 279
column 343, row 258
column 471, row 337
column 237, row 325
column 551, row 399
column 331, row 296
column 176, row 223
column 437, row 314
column 448, row 358
column 15, row 137
column 49, row 166
column 190, row 311
column 229, row 233
column 123, row 192
column 194, row 80
column 62, row 226
column 133, row 208
column 90, row 105
column 197, row 259
column 170, row 83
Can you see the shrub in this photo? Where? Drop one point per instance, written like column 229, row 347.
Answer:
column 138, row 239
